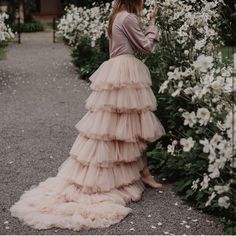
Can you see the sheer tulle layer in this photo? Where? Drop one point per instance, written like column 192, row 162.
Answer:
column 102, row 173
column 58, row 203
column 124, row 71
column 122, row 100
column 94, row 178
column 129, row 127
column 106, row 153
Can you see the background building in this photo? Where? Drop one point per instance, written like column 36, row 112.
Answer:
column 27, row 10
column 45, row 10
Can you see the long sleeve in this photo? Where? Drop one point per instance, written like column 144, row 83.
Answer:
column 142, row 41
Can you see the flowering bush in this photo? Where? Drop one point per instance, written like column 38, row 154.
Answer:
column 84, row 29
column 202, row 141
column 82, row 21
column 203, row 81
column 5, row 31
column 192, row 84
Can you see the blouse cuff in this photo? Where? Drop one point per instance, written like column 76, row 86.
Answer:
column 151, row 22
column 152, row 32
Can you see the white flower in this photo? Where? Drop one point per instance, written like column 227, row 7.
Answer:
column 233, row 162
column 211, row 197
column 216, row 85
column 206, row 144
column 187, row 72
column 214, row 170
column 212, row 155
column 224, row 202
column 205, row 182
column 180, row 84
column 189, row 118
column 203, row 63
column 204, row 115
column 163, row 86
column 187, row 144
column 5, row 31
column 229, row 122
column 176, row 92
column 199, row 44
column 230, row 84
column 188, row 90
column 220, row 126
column 216, row 139
column 171, row 148
column 176, row 74
column 195, row 184
column 186, row 52
column 225, row 72
column 221, row 189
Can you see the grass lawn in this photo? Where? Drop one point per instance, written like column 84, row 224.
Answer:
column 3, row 50
column 227, row 53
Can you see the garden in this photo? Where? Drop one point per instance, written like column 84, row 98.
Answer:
column 193, row 76
column 193, row 79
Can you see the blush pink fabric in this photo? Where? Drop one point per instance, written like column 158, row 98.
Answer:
column 128, row 38
column 102, row 172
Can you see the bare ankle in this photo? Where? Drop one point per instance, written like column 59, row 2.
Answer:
column 145, row 172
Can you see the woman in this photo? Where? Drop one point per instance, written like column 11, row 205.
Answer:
column 107, row 166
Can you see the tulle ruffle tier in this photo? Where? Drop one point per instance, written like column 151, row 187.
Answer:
column 122, row 100
column 124, row 71
column 106, row 153
column 95, row 179
column 102, row 173
column 128, row 127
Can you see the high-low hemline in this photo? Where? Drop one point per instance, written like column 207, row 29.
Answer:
column 102, row 173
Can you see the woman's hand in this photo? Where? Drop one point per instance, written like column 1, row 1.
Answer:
column 153, row 14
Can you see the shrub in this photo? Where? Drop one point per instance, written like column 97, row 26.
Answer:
column 86, row 58
column 33, row 26
column 5, row 31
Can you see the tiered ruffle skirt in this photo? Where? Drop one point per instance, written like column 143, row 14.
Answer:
column 102, row 173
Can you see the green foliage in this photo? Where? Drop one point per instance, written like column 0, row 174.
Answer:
column 86, row 58
column 29, row 8
column 33, row 26
column 181, row 170
column 230, row 227
column 2, row 50
column 228, row 25
column 227, row 53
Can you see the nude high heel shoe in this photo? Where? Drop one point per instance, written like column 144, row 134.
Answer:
column 148, row 179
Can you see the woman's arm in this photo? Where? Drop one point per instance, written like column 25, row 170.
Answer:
column 142, row 41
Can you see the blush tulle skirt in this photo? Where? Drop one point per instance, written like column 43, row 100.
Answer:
column 102, row 173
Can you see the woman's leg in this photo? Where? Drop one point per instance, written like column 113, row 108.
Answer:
column 147, row 178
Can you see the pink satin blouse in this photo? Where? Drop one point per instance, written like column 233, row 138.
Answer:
column 128, row 38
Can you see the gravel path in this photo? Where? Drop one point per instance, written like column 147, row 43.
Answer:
column 41, row 100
